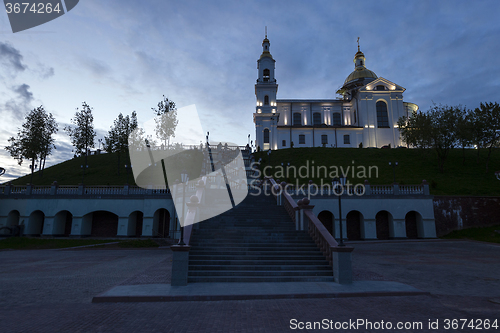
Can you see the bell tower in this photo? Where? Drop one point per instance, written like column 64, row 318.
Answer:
column 266, row 88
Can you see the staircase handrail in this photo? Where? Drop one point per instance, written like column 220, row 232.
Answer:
column 288, row 202
column 320, row 235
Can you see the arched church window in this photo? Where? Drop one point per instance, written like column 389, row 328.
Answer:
column 382, row 118
column 266, row 100
column 266, row 135
column 267, row 75
column 336, row 119
column 316, row 118
column 297, row 118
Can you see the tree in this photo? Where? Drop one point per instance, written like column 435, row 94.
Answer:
column 83, row 134
column 166, row 120
column 464, row 129
column 117, row 139
column 34, row 139
column 486, row 127
column 437, row 129
column 415, row 130
column 444, row 120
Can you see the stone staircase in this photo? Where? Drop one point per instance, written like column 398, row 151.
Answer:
column 254, row 242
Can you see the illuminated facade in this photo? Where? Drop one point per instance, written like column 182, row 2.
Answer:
column 366, row 114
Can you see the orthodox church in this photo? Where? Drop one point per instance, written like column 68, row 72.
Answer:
column 365, row 115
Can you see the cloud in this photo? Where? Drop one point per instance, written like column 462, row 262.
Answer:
column 23, row 92
column 11, row 57
column 19, row 105
column 96, row 67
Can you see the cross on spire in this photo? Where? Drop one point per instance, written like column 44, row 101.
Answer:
column 358, row 44
column 266, row 31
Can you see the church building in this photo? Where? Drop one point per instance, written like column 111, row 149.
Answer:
column 366, row 115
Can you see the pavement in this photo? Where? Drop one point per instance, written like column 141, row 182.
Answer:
column 52, row 291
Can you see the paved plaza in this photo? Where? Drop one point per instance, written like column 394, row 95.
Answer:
column 52, row 291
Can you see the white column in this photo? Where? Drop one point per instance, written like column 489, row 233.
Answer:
column 397, row 228
column 147, row 226
column 123, row 226
column 369, row 229
column 48, row 226
column 427, row 228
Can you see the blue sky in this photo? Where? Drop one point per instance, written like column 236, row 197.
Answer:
column 122, row 56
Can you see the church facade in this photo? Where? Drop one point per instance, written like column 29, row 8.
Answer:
column 366, row 115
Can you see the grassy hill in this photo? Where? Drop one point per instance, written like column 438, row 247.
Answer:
column 414, row 165
column 459, row 178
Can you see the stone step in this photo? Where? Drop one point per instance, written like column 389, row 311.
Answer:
column 260, row 279
column 253, row 252
column 200, row 241
column 260, row 273
column 269, row 256
column 258, row 247
column 235, row 267
column 256, row 263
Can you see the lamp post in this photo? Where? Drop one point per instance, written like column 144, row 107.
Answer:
column 394, row 165
column 269, row 156
column 184, row 180
column 83, row 167
column 128, row 168
column 336, row 183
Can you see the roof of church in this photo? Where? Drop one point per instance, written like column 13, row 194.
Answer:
column 360, row 72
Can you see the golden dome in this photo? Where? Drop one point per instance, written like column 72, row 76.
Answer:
column 360, row 72
column 266, row 54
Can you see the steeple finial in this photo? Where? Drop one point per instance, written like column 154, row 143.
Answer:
column 358, row 44
column 266, row 31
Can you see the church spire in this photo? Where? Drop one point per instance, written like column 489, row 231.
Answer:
column 359, row 59
column 266, row 45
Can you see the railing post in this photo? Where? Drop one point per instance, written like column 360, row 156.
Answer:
column 53, row 188
column 342, row 264
column 180, row 265
column 395, row 189
column 81, row 189
column 368, row 189
column 426, row 187
column 304, row 205
column 29, row 189
column 125, row 189
column 297, row 218
column 8, row 188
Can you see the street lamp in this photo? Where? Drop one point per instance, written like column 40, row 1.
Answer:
column 336, row 183
column 184, row 180
column 83, row 167
column 394, row 165
column 269, row 156
column 128, row 168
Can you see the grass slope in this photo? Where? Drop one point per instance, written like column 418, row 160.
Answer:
column 414, row 165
